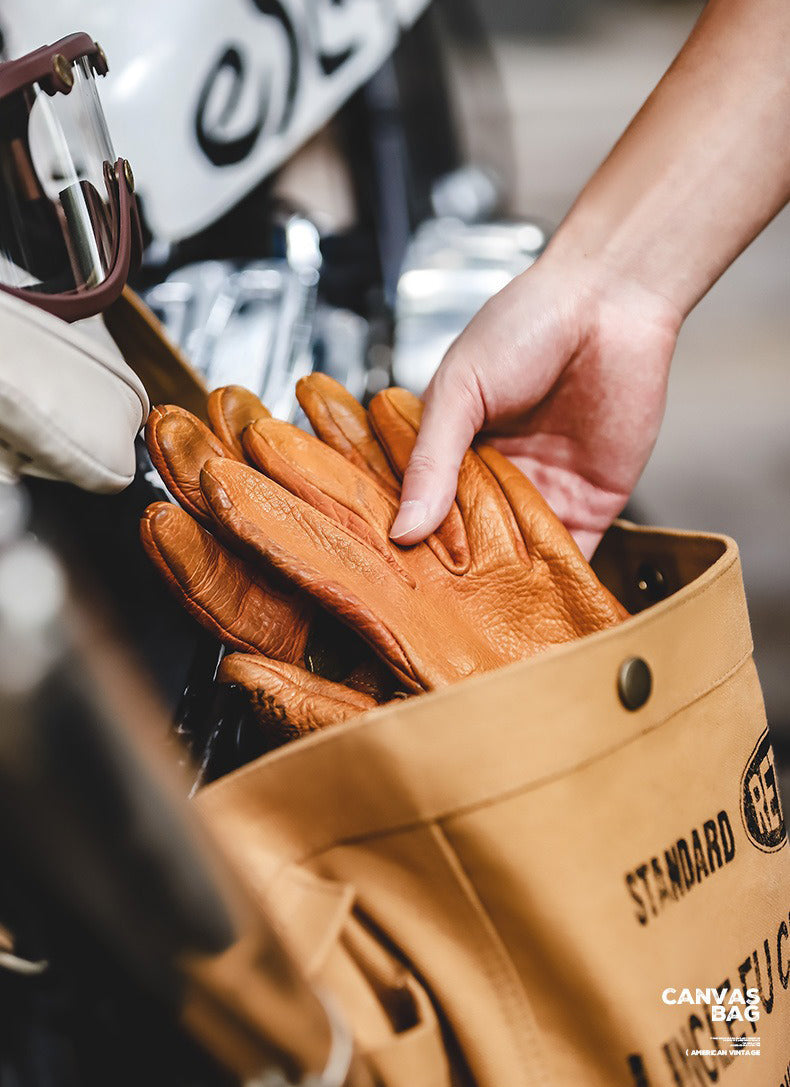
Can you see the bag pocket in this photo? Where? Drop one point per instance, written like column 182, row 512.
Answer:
column 387, row 1008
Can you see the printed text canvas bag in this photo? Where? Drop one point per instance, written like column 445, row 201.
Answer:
column 525, row 878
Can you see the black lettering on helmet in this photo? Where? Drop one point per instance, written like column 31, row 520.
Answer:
column 218, row 150
column 275, row 10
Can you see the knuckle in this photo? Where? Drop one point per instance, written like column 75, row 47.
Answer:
column 422, row 463
column 457, row 386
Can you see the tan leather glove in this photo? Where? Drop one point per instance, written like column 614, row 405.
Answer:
column 512, row 584
column 248, row 607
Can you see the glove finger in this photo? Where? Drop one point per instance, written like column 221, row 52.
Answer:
column 479, row 526
column 289, row 701
column 308, row 468
column 243, row 607
column 545, row 536
column 179, row 445
column 341, row 421
column 322, row 557
column 395, row 416
column 230, row 410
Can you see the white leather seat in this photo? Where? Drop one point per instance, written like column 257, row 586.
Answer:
column 70, row 407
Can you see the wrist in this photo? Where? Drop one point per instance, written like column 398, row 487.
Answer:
column 605, row 285
column 702, row 168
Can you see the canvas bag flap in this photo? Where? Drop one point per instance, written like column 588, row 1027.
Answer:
column 550, row 864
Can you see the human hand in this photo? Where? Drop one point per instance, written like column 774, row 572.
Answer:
column 565, row 371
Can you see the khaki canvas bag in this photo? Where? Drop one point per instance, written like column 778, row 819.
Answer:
column 520, row 881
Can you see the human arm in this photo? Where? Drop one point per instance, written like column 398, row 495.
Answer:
column 566, row 369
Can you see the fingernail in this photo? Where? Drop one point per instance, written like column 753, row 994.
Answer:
column 410, row 516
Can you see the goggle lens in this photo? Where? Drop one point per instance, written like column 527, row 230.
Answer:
column 58, row 192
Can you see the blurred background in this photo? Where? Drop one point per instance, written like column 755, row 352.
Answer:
column 353, row 199
column 573, row 75
column 439, row 175
column 365, row 245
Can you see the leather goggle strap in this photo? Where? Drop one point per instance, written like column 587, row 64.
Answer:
column 167, row 374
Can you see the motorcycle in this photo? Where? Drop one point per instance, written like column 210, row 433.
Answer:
column 305, row 205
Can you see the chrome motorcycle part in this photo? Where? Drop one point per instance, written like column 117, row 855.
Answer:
column 260, row 324
column 451, row 269
column 469, row 193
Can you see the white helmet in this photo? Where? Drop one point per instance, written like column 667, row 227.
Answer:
column 207, row 99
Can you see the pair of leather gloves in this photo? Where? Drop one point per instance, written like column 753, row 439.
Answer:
column 282, row 549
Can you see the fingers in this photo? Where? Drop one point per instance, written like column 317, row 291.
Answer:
column 395, row 415
column 341, row 421
column 230, row 410
column 244, row 608
column 540, row 528
column 288, row 700
column 587, row 541
column 479, row 524
column 452, row 415
column 346, row 575
column 306, row 467
column 546, row 537
column 179, row 445
column 585, row 507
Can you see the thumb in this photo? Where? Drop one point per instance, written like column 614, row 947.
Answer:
column 587, row 540
column 454, row 412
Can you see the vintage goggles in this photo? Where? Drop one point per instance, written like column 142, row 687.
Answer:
column 69, row 226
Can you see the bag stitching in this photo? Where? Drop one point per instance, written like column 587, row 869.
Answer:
column 667, row 608
column 503, row 980
column 605, row 754
column 518, row 790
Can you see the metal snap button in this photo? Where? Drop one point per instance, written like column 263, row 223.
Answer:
column 651, row 583
column 634, row 683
